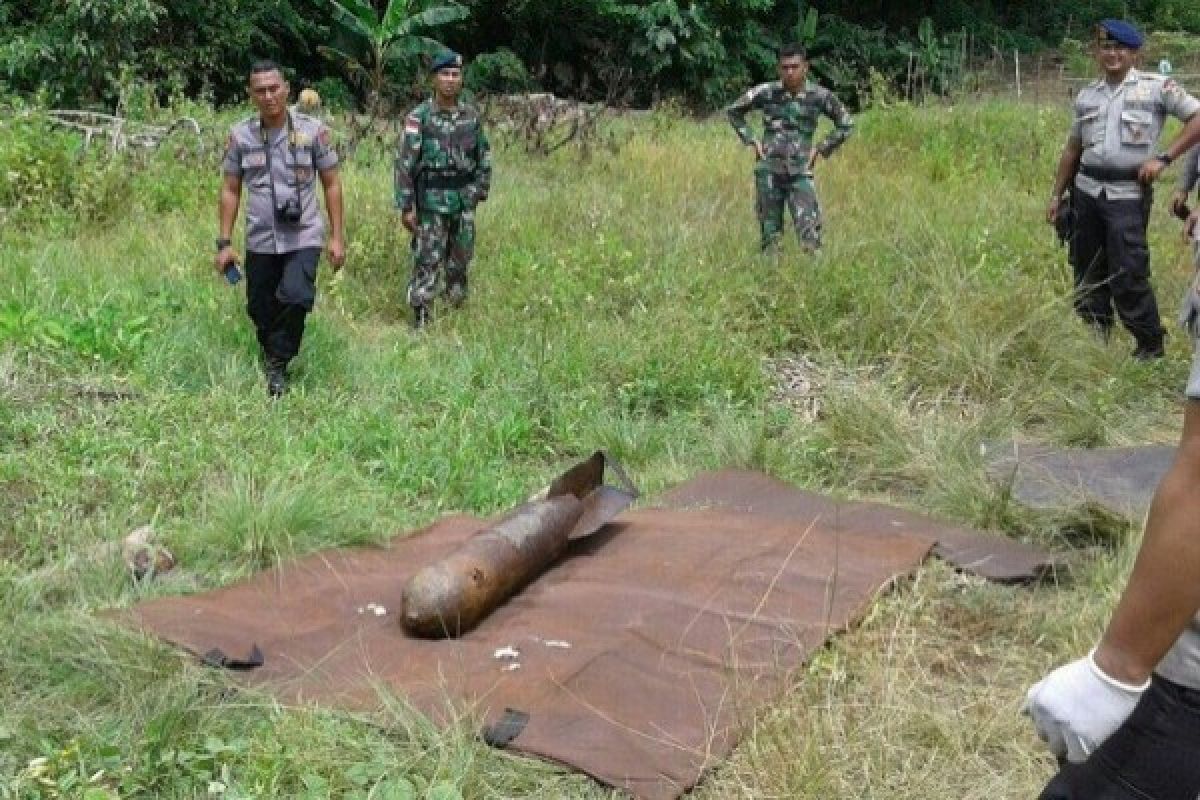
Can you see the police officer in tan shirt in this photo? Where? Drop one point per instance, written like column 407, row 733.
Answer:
column 1111, row 159
column 278, row 156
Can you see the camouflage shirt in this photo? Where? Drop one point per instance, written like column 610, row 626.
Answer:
column 443, row 146
column 789, row 122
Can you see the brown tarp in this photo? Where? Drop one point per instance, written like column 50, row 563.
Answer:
column 997, row 558
column 1120, row 480
column 642, row 653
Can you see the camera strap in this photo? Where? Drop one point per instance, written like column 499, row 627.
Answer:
column 268, row 147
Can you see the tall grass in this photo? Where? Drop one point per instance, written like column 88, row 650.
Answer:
column 616, row 303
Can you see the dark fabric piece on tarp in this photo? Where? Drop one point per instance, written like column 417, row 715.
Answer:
column 680, row 624
column 1120, row 480
column 991, row 556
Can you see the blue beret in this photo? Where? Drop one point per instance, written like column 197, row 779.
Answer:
column 446, row 58
column 1122, row 32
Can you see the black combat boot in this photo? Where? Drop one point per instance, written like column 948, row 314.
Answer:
column 1149, row 350
column 276, row 370
column 421, row 317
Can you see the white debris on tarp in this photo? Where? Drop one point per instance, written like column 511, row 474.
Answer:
column 510, row 653
column 373, row 608
column 510, row 667
column 557, row 643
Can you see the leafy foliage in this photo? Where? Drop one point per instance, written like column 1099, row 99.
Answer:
column 394, row 37
column 87, row 52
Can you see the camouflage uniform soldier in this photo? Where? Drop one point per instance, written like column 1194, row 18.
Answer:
column 443, row 172
column 791, row 108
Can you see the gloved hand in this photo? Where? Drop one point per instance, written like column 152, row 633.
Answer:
column 1077, row 706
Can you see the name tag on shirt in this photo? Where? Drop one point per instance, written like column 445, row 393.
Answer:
column 254, row 160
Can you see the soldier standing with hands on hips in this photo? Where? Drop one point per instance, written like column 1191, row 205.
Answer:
column 783, row 174
column 279, row 155
column 1109, row 160
column 443, row 171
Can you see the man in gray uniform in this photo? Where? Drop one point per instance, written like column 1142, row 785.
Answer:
column 1110, row 155
column 279, row 155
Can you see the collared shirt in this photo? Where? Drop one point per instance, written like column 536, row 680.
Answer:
column 295, row 158
column 789, row 122
column 447, row 143
column 1118, row 126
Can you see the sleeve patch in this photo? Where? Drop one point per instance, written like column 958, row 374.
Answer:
column 412, row 125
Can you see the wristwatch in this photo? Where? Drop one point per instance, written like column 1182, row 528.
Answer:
column 222, row 244
column 1165, row 157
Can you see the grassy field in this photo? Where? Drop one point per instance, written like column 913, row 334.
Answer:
column 617, row 303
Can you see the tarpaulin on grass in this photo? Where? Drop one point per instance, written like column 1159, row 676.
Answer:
column 1120, row 480
column 643, row 653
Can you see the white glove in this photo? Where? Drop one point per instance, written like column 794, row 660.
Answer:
column 1077, row 706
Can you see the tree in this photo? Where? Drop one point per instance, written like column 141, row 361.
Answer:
column 388, row 39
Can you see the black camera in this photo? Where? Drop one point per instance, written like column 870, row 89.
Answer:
column 289, row 211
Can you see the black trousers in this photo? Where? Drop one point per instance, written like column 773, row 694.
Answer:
column 1155, row 755
column 1111, row 260
column 280, row 291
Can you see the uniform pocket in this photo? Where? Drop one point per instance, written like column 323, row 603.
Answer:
column 302, row 172
column 1089, row 131
column 1137, row 128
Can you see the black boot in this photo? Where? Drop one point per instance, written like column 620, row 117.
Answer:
column 1149, row 348
column 1149, row 351
column 421, row 317
column 276, row 370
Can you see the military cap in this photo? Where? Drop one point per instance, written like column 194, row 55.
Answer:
column 444, row 59
column 1121, row 32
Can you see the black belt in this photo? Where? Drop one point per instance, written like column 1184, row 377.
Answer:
column 445, row 180
column 1109, row 173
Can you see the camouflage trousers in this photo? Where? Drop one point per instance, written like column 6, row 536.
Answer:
column 442, row 241
column 774, row 191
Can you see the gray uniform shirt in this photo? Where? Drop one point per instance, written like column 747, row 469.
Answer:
column 1118, row 126
column 295, row 159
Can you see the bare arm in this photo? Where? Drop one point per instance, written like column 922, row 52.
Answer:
column 1163, row 592
column 228, row 200
column 1187, row 137
column 331, row 184
column 1068, row 165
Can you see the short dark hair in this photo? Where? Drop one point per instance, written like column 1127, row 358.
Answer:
column 264, row 65
column 791, row 50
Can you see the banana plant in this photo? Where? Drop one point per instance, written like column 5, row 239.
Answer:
column 397, row 34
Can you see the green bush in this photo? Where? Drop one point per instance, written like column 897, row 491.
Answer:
column 501, row 72
column 39, row 164
column 335, row 94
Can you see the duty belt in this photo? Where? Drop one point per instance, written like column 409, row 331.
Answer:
column 1109, row 173
column 445, row 180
